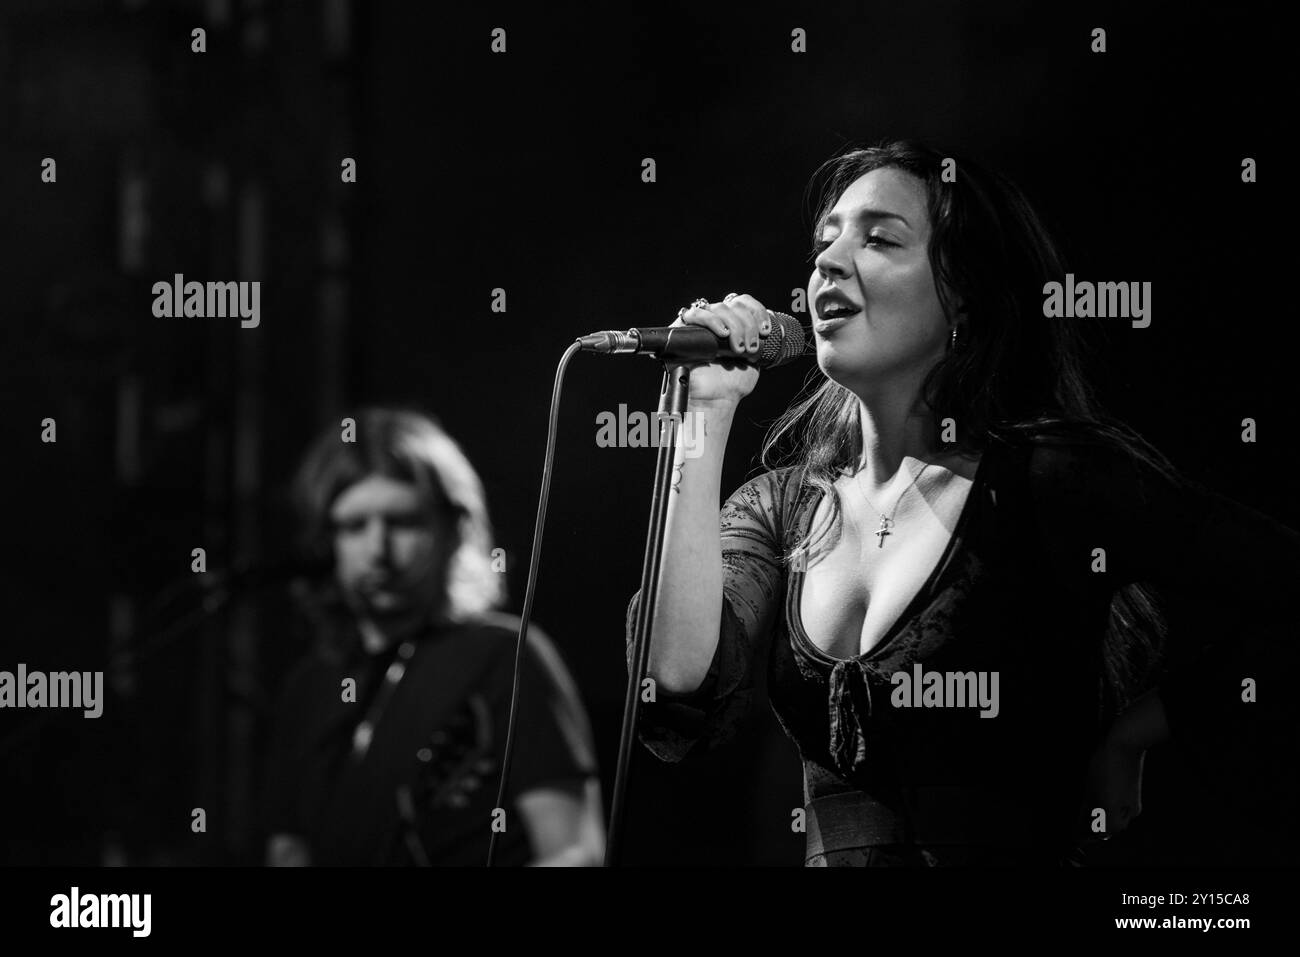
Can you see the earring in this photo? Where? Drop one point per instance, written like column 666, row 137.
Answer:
column 954, row 337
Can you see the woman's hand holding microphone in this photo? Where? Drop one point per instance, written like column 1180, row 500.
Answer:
column 744, row 321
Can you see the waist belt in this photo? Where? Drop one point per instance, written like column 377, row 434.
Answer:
column 927, row 815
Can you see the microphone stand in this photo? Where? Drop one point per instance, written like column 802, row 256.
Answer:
column 673, row 393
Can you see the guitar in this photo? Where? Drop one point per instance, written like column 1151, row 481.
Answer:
column 454, row 763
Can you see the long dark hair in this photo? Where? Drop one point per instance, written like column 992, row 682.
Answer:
column 1012, row 376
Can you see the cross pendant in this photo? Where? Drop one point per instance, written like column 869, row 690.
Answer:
column 882, row 531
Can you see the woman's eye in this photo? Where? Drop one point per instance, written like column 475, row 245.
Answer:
column 821, row 246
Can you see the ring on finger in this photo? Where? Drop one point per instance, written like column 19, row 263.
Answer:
column 700, row 304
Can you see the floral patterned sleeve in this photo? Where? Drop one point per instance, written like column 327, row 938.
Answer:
column 753, row 583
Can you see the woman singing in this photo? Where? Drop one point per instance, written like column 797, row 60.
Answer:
column 955, row 571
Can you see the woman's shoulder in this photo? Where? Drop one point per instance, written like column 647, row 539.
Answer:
column 773, row 492
column 1074, row 452
column 1085, row 471
column 774, row 482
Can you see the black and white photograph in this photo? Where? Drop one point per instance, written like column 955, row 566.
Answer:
column 673, row 438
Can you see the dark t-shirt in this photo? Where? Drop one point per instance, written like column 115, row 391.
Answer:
column 423, row 787
column 1018, row 592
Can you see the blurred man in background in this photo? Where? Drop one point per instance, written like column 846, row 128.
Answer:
column 389, row 737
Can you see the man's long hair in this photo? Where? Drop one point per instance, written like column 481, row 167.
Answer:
column 411, row 447
column 1014, row 374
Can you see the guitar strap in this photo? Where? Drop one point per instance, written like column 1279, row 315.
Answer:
column 364, row 732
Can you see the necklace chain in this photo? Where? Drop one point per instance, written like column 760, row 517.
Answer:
column 886, row 523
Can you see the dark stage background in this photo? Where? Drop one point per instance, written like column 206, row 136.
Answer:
column 521, row 171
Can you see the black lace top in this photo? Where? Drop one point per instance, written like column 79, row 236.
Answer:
column 1021, row 591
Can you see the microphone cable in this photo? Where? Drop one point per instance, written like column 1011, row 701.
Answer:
column 530, row 589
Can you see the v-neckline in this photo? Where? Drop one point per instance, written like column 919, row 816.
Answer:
column 794, row 592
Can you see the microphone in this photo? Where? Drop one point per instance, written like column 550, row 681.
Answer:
column 786, row 342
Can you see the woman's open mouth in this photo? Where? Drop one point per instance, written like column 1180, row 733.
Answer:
column 833, row 318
